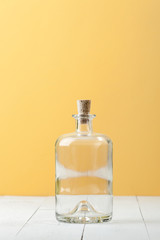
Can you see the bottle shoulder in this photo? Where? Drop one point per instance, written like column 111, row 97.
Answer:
column 74, row 136
column 103, row 136
column 64, row 136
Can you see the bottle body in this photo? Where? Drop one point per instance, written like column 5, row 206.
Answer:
column 83, row 176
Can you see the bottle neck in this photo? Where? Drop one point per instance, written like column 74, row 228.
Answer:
column 84, row 126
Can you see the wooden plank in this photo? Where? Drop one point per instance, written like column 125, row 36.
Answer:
column 14, row 213
column 49, row 203
column 43, row 225
column 34, row 218
column 150, row 208
column 127, row 223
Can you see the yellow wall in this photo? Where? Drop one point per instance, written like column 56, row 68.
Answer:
column 55, row 52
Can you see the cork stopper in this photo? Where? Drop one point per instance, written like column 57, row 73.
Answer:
column 83, row 106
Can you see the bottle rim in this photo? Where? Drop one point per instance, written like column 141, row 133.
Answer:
column 86, row 116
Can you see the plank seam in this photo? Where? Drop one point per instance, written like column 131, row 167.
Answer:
column 143, row 217
column 29, row 218
column 83, row 232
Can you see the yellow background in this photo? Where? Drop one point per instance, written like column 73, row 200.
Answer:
column 55, row 52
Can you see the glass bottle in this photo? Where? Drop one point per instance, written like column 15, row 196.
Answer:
column 83, row 181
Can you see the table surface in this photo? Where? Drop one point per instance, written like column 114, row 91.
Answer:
column 34, row 218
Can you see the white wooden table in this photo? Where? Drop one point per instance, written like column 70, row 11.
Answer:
column 33, row 218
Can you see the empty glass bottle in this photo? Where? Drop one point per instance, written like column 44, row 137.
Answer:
column 83, row 184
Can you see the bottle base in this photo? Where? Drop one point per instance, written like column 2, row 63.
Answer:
column 84, row 212
column 83, row 219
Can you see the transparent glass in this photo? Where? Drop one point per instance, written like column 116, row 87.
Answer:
column 83, row 184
